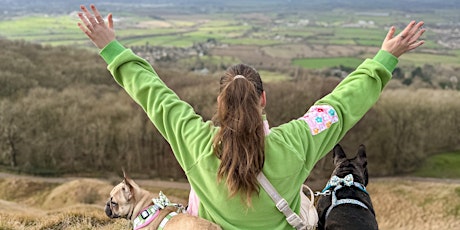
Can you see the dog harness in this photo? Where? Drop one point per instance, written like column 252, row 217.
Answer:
column 339, row 183
column 149, row 214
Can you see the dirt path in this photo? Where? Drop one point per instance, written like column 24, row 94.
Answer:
column 419, row 179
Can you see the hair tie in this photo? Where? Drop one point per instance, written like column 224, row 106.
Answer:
column 238, row 76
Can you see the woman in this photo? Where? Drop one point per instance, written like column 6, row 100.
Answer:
column 222, row 159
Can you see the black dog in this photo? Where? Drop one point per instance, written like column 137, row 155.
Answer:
column 345, row 203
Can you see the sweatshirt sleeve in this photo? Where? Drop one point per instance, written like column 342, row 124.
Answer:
column 332, row 116
column 174, row 118
column 359, row 91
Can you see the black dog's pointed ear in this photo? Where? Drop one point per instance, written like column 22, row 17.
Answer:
column 362, row 155
column 338, row 154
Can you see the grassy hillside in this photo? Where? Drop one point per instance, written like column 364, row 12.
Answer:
column 78, row 204
column 89, row 126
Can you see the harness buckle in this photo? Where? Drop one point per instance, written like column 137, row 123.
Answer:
column 325, row 193
column 145, row 214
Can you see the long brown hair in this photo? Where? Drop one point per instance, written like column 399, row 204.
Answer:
column 239, row 142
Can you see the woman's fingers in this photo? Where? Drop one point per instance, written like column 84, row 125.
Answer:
column 110, row 21
column 93, row 25
column 91, row 21
column 405, row 33
column 85, row 21
column 84, row 29
column 88, row 15
column 415, row 45
column 414, row 31
column 416, row 36
column 98, row 16
column 390, row 33
column 419, row 29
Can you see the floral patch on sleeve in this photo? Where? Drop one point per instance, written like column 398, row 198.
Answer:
column 320, row 118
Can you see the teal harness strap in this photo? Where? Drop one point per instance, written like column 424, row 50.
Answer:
column 336, row 202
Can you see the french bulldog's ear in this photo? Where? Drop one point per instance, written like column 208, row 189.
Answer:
column 124, row 172
column 338, row 154
column 128, row 188
column 131, row 185
column 362, row 155
column 128, row 181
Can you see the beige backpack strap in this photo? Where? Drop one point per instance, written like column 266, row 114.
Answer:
column 292, row 218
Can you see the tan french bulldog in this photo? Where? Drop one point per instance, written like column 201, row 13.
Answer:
column 147, row 211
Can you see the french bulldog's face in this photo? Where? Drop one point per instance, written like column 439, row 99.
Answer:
column 120, row 204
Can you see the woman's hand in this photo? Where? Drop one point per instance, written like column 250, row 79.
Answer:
column 407, row 40
column 95, row 28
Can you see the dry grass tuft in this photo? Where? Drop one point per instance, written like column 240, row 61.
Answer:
column 81, row 191
column 17, row 221
column 414, row 205
column 25, row 191
column 75, row 220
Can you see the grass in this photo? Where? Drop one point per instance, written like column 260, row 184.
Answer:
column 445, row 165
column 225, row 29
column 399, row 204
column 402, row 204
column 251, row 41
column 210, row 60
column 33, row 28
column 421, row 58
column 320, row 63
column 167, row 41
column 26, row 203
column 268, row 76
column 71, row 220
column 292, row 32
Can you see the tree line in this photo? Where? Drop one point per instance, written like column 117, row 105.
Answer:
column 61, row 113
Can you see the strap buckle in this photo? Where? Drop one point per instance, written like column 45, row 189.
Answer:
column 282, row 205
column 295, row 221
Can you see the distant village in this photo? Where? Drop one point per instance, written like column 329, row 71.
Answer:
column 160, row 53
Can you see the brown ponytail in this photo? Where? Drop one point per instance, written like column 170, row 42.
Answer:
column 239, row 142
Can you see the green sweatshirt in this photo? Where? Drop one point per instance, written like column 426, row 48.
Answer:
column 291, row 150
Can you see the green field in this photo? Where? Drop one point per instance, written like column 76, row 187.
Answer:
column 445, row 165
column 268, row 76
column 422, row 58
column 320, row 63
column 56, row 30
